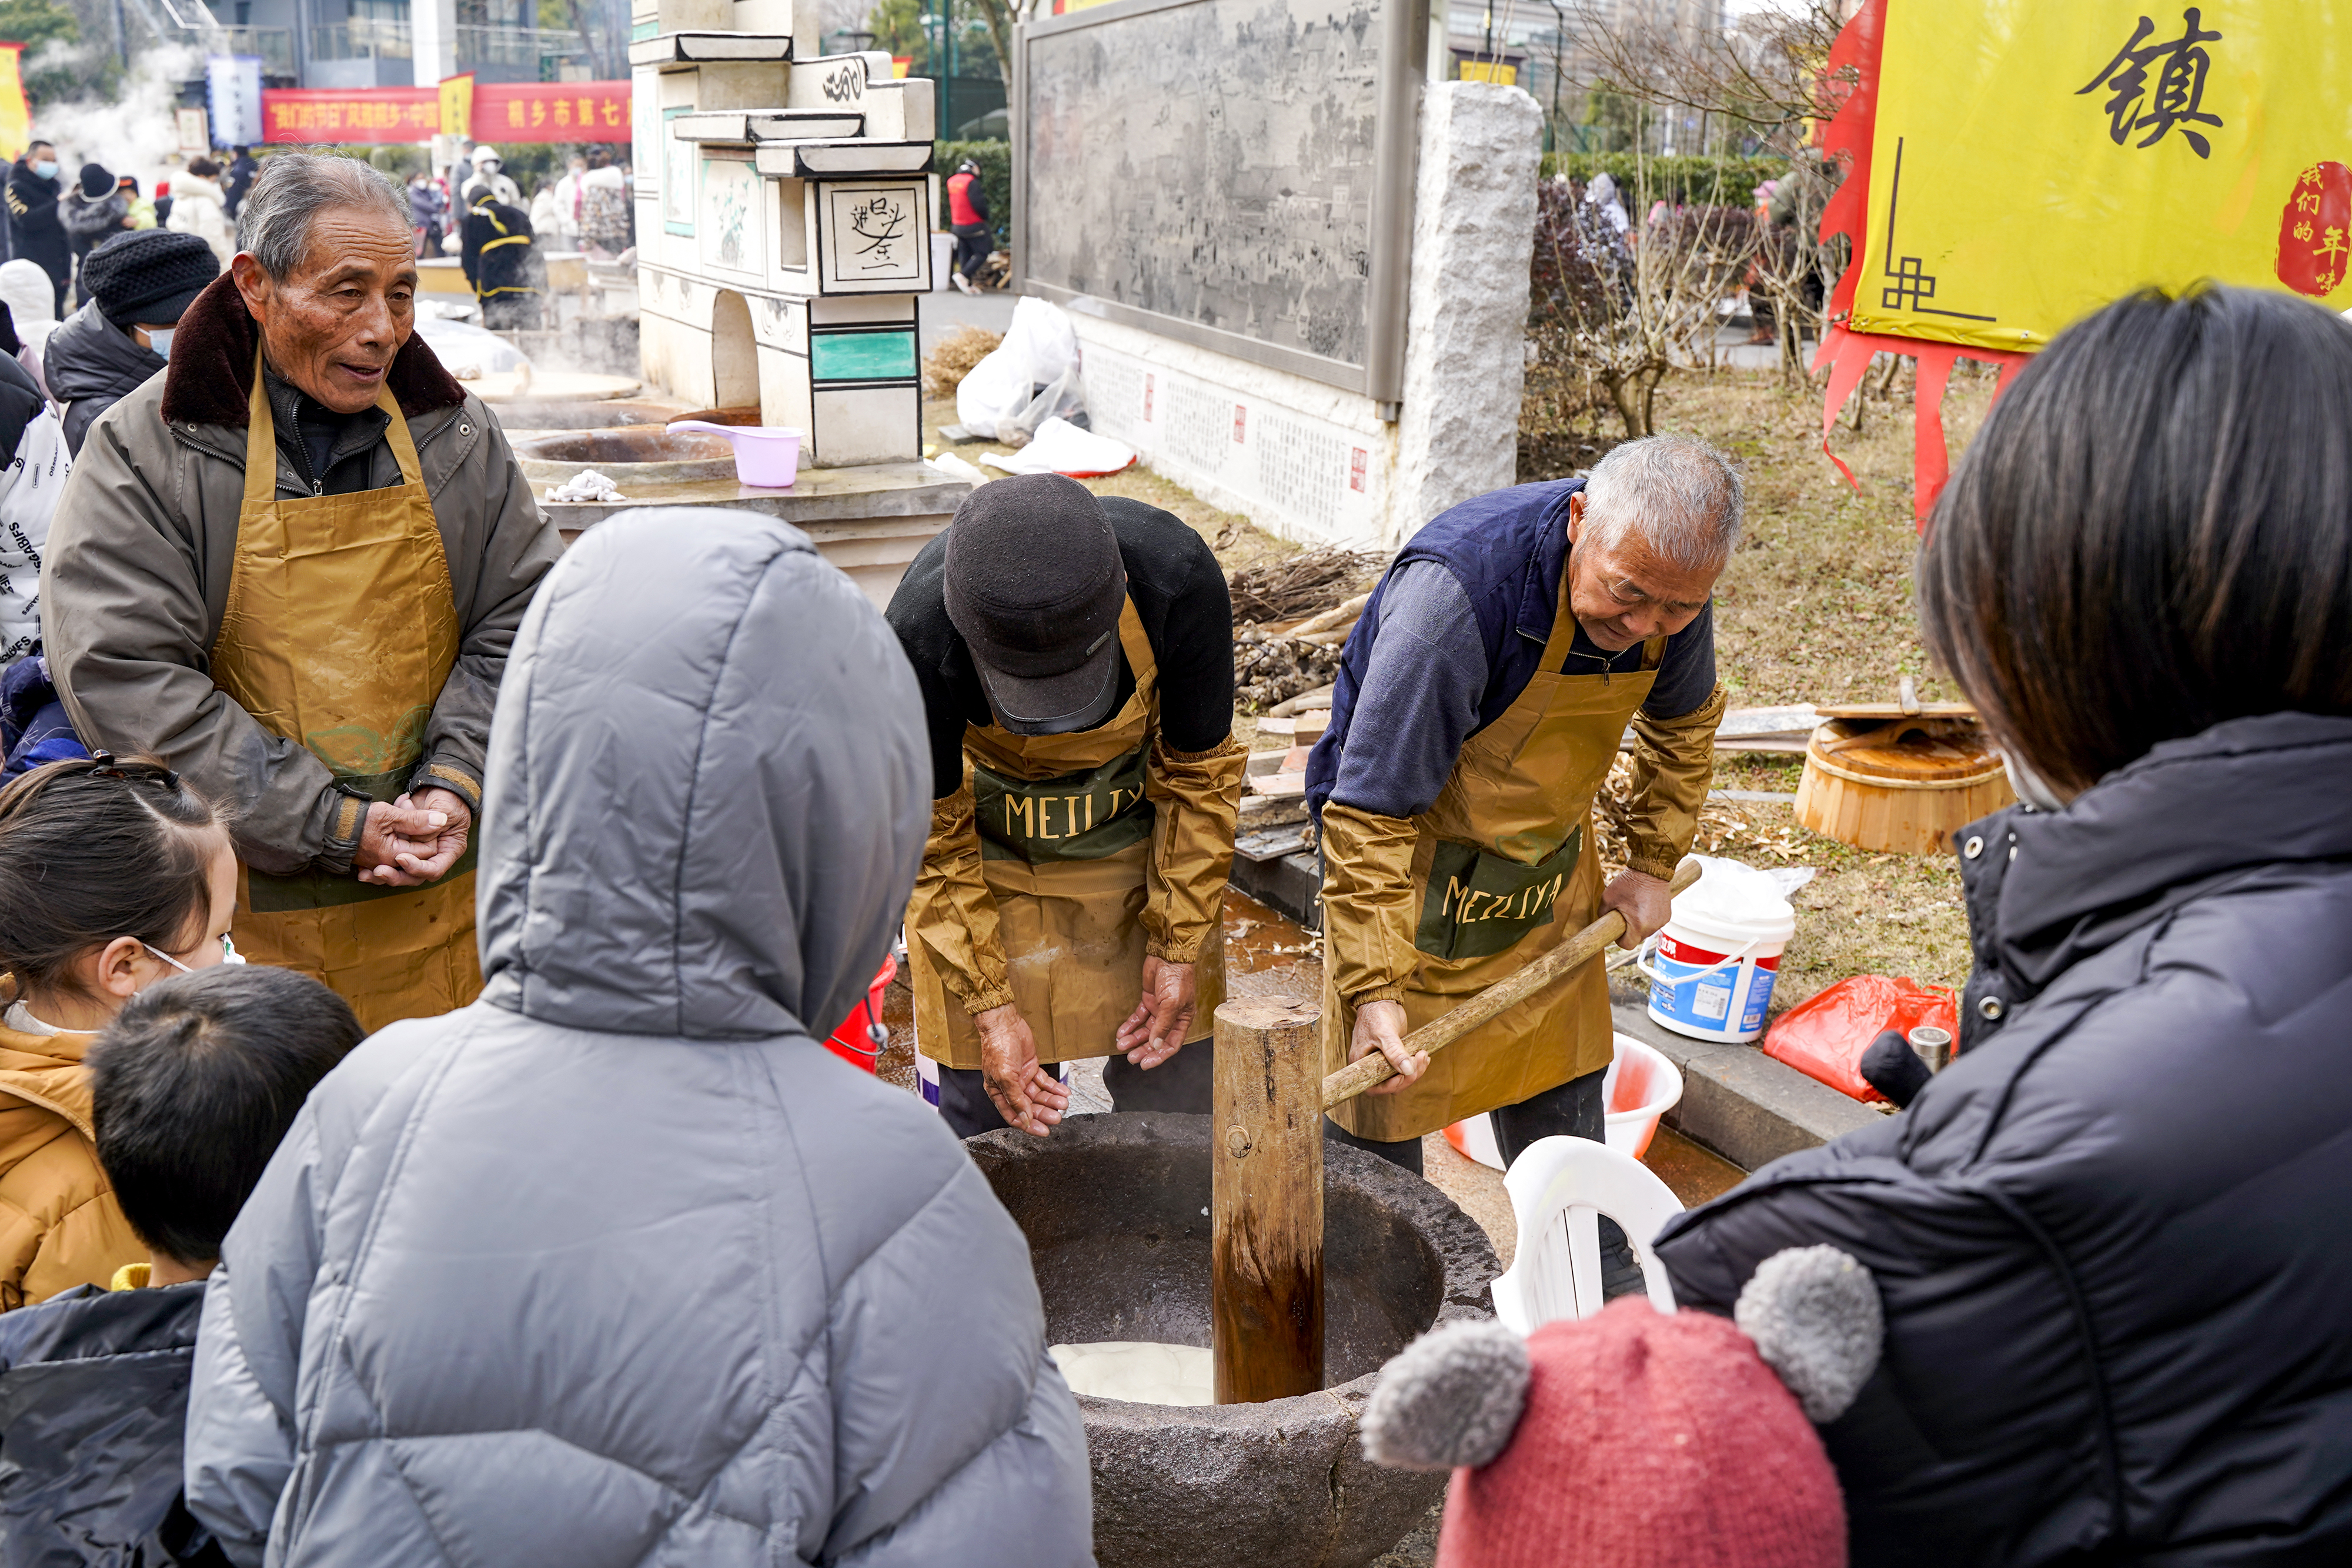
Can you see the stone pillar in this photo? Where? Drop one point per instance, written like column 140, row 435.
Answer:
column 433, row 34
column 1466, row 304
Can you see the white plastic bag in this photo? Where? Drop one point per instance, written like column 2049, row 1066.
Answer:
column 1000, row 397
column 1061, row 447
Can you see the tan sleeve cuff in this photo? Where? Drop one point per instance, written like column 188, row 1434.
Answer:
column 1369, row 900
column 456, row 780
column 1196, row 801
column 1673, row 764
column 1377, row 994
column 989, row 997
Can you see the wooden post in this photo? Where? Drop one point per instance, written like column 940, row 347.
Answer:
column 1265, row 1284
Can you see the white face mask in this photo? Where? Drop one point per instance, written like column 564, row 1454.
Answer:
column 229, row 954
column 2031, row 787
column 159, row 339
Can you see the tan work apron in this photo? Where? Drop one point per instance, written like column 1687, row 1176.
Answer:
column 340, row 630
column 1504, row 879
column 1064, row 840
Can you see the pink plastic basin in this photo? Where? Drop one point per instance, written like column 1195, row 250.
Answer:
column 767, row 456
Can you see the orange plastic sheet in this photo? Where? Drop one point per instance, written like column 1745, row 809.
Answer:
column 1824, row 1038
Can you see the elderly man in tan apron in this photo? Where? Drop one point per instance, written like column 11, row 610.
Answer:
column 1478, row 709
column 1075, row 660
column 291, row 567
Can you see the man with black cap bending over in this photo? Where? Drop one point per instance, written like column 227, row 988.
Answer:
column 1076, row 663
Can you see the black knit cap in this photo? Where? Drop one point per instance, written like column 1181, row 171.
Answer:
column 95, row 181
column 149, row 276
column 1035, row 585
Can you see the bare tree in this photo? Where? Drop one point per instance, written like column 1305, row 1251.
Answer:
column 1614, row 319
column 1763, row 72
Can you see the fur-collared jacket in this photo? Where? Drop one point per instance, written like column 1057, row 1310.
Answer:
column 137, row 578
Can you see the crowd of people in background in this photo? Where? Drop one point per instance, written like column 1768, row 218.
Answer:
column 564, row 1240
column 57, row 219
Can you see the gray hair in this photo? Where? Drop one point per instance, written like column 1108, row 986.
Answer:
column 1681, row 495
column 293, row 189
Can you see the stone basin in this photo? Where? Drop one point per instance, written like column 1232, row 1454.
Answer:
column 637, row 454
column 1116, row 1211
column 528, row 413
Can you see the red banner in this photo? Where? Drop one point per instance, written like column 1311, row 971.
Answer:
column 355, row 114
column 551, row 111
column 503, row 111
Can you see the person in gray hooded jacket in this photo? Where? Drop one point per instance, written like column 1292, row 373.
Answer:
column 618, row 1265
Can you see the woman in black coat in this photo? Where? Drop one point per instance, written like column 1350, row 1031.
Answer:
column 2114, row 1239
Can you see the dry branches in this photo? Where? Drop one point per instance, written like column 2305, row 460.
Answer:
column 1616, row 316
column 945, row 367
column 1299, row 584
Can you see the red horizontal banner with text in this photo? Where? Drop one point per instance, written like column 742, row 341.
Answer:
column 355, row 114
column 551, row 111
column 502, row 112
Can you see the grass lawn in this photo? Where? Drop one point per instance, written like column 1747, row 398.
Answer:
column 1815, row 607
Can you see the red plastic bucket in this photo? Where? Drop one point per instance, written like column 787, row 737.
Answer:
column 861, row 1036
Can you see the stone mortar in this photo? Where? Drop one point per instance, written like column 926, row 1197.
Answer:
column 635, row 454
column 1116, row 1208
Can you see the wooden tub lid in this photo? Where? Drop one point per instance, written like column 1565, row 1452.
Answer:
column 1926, row 750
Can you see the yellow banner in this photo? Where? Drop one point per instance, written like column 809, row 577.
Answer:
column 457, row 105
column 15, row 117
column 2032, row 162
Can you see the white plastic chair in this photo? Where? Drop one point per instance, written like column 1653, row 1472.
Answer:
column 1559, row 1187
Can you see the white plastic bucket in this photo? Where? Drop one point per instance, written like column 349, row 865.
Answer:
column 1711, row 969
column 1642, row 1086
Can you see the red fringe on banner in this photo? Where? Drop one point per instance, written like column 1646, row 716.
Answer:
column 1847, row 135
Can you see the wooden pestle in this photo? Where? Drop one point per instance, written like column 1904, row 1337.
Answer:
column 1495, row 999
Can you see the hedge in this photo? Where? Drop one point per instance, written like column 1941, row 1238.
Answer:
column 1711, row 181
column 995, row 161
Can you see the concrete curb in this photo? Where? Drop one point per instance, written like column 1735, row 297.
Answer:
column 1737, row 1100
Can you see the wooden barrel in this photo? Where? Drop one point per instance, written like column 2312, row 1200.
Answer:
column 1902, row 784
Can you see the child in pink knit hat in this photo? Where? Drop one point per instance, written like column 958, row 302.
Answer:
column 1640, row 1438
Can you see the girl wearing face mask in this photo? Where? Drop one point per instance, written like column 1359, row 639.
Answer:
column 114, row 876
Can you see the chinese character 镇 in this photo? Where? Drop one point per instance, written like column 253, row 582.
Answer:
column 2180, row 96
column 514, row 112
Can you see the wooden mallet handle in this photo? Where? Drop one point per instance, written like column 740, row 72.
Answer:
column 1495, row 999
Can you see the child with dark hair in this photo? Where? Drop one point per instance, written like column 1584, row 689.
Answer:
column 114, row 875
column 193, row 1085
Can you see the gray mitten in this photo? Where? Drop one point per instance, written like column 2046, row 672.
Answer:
column 1813, row 1313
column 1451, row 1397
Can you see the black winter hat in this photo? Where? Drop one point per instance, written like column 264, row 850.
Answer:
column 149, row 276
column 1035, row 584
column 96, row 183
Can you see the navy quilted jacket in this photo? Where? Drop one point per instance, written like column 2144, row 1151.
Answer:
column 2114, row 1239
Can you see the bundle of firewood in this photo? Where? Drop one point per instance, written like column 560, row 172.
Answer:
column 1269, row 667
column 1301, row 584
